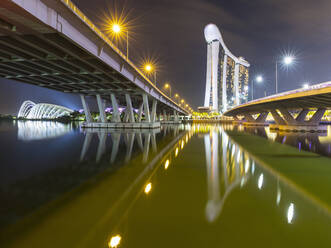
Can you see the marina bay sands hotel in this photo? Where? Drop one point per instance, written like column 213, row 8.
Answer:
column 227, row 75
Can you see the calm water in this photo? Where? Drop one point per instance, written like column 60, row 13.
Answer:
column 180, row 186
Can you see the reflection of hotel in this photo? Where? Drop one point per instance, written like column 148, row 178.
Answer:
column 227, row 75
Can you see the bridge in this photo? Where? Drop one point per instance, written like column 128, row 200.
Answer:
column 288, row 109
column 52, row 44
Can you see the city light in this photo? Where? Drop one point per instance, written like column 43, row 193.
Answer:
column 260, row 181
column 176, row 152
column 259, row 79
column 288, row 60
column 166, row 165
column 306, row 86
column 148, row 188
column 114, row 241
column 290, row 213
column 116, row 28
column 148, row 68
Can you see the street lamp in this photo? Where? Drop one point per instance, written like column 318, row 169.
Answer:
column 286, row 61
column 167, row 86
column 117, row 29
column 258, row 79
column 150, row 68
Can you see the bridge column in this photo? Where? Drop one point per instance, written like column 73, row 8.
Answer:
column 262, row 117
column 277, row 118
column 140, row 112
column 153, row 115
column 176, row 116
column 317, row 117
column 116, row 114
column 164, row 115
column 129, row 109
column 146, row 108
column 288, row 123
column 302, row 115
column 101, row 109
column 288, row 117
column 86, row 109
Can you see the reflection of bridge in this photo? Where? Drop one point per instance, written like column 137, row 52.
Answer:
column 316, row 97
column 145, row 139
column 50, row 43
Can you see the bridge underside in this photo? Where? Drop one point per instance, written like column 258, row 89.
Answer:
column 35, row 53
column 289, row 114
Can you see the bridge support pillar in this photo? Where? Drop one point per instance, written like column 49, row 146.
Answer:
column 129, row 115
column 302, row 115
column 116, row 113
column 86, row 109
column 288, row 123
column 153, row 115
column 140, row 112
column 249, row 120
column 101, row 108
column 146, row 108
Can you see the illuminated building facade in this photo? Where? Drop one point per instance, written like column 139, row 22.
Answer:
column 227, row 75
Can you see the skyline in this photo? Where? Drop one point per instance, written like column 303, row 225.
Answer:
column 183, row 59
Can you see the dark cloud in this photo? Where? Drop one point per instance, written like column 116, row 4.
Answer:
column 259, row 30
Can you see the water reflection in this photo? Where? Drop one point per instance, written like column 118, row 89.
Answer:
column 144, row 139
column 39, row 130
column 313, row 142
column 179, row 186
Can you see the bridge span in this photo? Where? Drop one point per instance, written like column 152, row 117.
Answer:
column 52, row 44
column 288, row 109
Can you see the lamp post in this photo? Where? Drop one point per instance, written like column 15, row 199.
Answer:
column 168, row 86
column 149, row 68
column 117, row 29
column 258, row 79
column 177, row 96
column 286, row 61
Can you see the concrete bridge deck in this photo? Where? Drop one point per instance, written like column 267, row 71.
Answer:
column 316, row 97
column 52, row 44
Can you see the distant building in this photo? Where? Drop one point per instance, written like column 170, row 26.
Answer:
column 33, row 111
column 227, row 76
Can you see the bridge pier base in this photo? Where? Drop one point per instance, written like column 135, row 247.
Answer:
column 288, row 123
column 129, row 121
column 299, row 128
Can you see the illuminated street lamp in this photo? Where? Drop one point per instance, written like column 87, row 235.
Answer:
column 168, row 86
column 287, row 60
column 117, row 29
column 177, row 97
column 258, row 79
column 150, row 68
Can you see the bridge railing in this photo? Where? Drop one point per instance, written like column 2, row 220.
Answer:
column 286, row 93
column 89, row 23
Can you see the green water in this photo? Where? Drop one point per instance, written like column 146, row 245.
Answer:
column 198, row 186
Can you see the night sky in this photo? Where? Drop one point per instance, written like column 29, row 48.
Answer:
column 172, row 31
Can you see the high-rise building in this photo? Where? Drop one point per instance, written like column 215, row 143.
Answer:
column 227, row 75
